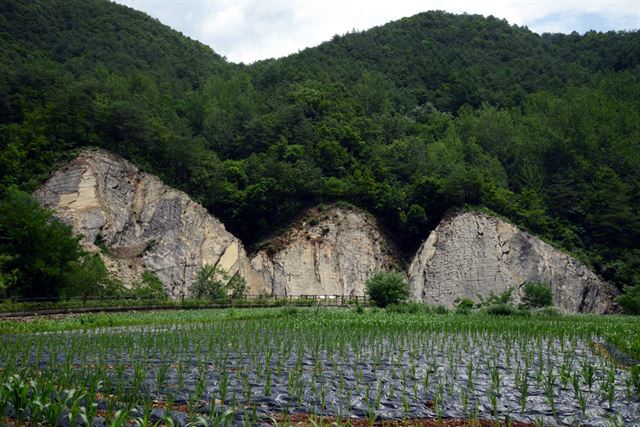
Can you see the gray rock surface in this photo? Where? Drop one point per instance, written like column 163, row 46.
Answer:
column 143, row 223
column 473, row 254
column 329, row 251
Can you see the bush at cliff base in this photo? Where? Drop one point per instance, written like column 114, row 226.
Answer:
column 630, row 300
column 387, row 287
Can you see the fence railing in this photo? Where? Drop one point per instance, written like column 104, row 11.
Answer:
column 336, row 297
column 52, row 305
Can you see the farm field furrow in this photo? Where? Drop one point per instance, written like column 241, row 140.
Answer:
column 338, row 364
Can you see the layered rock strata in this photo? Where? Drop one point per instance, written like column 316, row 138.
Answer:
column 136, row 223
column 329, row 251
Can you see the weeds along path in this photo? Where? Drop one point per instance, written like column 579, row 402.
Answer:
column 253, row 366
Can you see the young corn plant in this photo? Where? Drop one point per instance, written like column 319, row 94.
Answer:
column 18, row 391
column 588, row 373
column 524, row 391
column 634, row 380
column 549, row 391
column 75, row 399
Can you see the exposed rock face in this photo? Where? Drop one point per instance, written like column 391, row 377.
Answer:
column 474, row 254
column 330, row 251
column 143, row 223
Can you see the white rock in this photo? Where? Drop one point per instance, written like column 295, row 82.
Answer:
column 474, row 254
column 330, row 251
column 143, row 223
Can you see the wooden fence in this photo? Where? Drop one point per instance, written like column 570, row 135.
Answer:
column 14, row 307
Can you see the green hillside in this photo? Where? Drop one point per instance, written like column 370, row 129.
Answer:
column 410, row 120
column 452, row 60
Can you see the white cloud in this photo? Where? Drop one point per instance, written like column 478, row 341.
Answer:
column 245, row 31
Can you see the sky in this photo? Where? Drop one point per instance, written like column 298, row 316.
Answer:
column 251, row 30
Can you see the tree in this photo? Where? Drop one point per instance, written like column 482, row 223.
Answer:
column 7, row 278
column 42, row 251
column 505, row 297
column 89, row 277
column 149, row 286
column 214, row 283
column 537, row 295
column 630, row 300
column 387, row 287
column 237, row 287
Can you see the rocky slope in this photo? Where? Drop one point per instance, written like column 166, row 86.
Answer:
column 142, row 223
column 136, row 223
column 329, row 251
column 473, row 254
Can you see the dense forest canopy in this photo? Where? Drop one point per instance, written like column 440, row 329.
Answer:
column 410, row 120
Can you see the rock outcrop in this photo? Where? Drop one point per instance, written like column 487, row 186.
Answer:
column 137, row 223
column 142, row 223
column 329, row 251
column 474, row 254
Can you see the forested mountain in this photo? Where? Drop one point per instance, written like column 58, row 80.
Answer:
column 453, row 60
column 410, row 120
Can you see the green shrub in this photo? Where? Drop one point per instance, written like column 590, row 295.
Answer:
column 89, row 277
column 464, row 303
column 537, row 295
column 387, row 287
column 505, row 297
column 548, row 311
column 214, row 283
column 440, row 309
column 149, row 287
column 462, row 310
column 408, row 308
column 290, row 311
column 630, row 300
column 237, row 287
column 281, row 303
column 501, row 309
column 40, row 256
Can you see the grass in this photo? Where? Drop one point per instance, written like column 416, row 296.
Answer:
column 621, row 331
column 227, row 365
column 140, row 318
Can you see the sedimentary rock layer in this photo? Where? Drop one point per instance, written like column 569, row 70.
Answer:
column 142, row 223
column 330, row 251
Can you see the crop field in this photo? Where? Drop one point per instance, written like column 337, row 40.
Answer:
column 322, row 366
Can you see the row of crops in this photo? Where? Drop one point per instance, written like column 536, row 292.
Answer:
column 325, row 363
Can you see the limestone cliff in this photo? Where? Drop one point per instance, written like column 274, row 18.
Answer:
column 329, row 251
column 474, row 254
column 143, row 223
